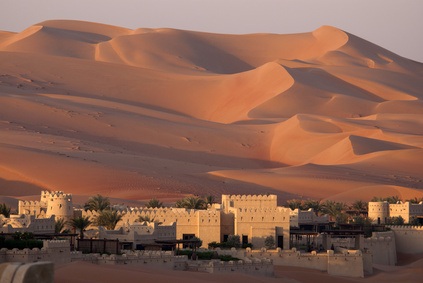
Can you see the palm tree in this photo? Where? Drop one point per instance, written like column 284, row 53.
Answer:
column 294, row 204
column 5, row 210
column 80, row 223
column 359, row 206
column 391, row 199
column 209, row 199
column 415, row 200
column 191, row 203
column 59, row 225
column 97, row 203
column 108, row 218
column 154, row 203
column 333, row 209
column 147, row 218
column 314, row 204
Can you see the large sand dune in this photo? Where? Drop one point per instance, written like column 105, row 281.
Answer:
column 134, row 114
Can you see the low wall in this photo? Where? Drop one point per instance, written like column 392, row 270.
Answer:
column 408, row 239
column 255, row 266
column 382, row 246
column 345, row 263
column 350, row 263
column 55, row 251
column 167, row 259
column 159, row 258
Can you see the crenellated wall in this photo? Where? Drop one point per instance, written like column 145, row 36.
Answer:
column 350, row 263
column 249, row 201
column 204, row 224
column 57, row 251
column 35, row 208
column 51, row 203
column 380, row 211
column 58, row 204
column 382, row 247
column 408, row 239
column 28, row 223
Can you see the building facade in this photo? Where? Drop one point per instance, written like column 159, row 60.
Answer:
column 380, row 212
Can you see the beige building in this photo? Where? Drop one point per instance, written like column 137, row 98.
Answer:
column 299, row 217
column 381, row 211
column 256, row 217
column 252, row 217
column 55, row 203
column 27, row 223
column 141, row 234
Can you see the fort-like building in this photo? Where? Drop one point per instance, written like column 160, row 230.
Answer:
column 252, row 217
column 55, row 203
column 381, row 211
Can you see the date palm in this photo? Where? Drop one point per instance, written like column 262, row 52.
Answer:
column 333, row 209
column 209, row 199
column 80, row 223
column 108, row 219
column 314, row 204
column 154, row 203
column 59, row 225
column 359, row 206
column 148, row 218
column 97, row 203
column 5, row 210
column 191, row 203
column 294, row 204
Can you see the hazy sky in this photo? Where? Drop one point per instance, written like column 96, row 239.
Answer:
column 394, row 24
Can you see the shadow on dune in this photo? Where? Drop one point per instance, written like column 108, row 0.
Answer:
column 18, row 188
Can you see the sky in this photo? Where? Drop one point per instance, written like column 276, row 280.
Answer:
column 396, row 25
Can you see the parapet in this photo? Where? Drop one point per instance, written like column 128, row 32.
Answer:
column 250, row 197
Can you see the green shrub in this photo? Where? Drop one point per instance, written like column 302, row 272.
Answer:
column 21, row 244
column 228, row 258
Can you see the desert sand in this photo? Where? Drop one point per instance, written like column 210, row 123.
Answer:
column 89, row 108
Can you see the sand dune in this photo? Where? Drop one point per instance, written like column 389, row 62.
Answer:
column 134, row 114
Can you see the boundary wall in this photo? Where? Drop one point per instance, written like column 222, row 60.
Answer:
column 382, row 246
column 343, row 262
column 409, row 239
column 57, row 251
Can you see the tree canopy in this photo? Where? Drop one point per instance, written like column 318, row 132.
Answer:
column 108, row 219
column 5, row 210
column 97, row 203
column 80, row 223
column 154, row 203
column 192, row 203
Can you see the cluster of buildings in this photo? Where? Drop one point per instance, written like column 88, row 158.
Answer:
column 254, row 218
column 381, row 211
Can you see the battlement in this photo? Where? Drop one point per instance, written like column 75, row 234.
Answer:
column 249, row 197
column 48, row 244
column 55, row 195
column 405, row 227
column 247, row 201
column 29, row 202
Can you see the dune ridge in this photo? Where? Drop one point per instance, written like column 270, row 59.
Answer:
column 134, row 114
